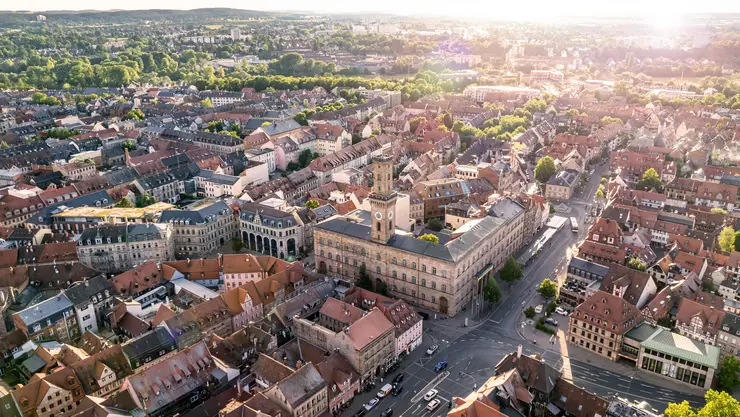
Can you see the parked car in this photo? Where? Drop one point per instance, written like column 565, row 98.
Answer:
column 387, row 413
column 432, row 349
column 372, row 403
column 561, row 311
column 361, row 412
column 433, row 405
column 552, row 321
column 430, row 394
column 384, row 391
column 538, row 309
column 440, row 366
column 397, row 390
column 424, row 316
column 398, row 378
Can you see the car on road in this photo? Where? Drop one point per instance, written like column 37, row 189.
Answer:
column 370, row 404
column 433, row 405
column 398, row 378
column 432, row 349
column 561, row 311
column 387, row 413
column 424, row 316
column 384, row 391
column 538, row 309
column 361, row 412
column 552, row 321
column 397, row 389
column 430, row 394
column 440, row 366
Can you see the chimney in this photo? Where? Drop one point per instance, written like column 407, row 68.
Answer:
column 274, row 355
column 519, row 351
column 298, row 364
column 127, row 157
column 220, row 260
column 202, row 262
column 188, row 261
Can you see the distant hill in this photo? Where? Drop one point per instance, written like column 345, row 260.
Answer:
column 132, row 16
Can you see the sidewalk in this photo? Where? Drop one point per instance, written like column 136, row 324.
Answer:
column 559, row 345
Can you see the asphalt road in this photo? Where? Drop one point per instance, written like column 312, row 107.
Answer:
column 472, row 353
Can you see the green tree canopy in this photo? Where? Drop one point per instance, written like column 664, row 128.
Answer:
column 545, row 169
column 435, row 224
column 429, row 238
column 144, row 200
column 124, row 203
column 726, row 239
column 511, row 271
column 728, row 374
column 548, row 288
column 637, row 264
column 491, row 292
column 237, row 245
column 206, row 103
column 650, row 181
column 363, row 280
column 718, row 404
column 719, row 210
column 312, row 204
column 529, row 312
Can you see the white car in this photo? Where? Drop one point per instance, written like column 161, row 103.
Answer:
column 433, row 405
column 431, row 394
column 372, row 403
column 432, row 349
column 387, row 388
column 538, row 309
column 561, row 311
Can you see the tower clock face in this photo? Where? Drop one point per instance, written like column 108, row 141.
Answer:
column 390, row 215
column 379, row 215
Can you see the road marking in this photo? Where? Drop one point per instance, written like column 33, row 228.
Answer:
column 436, row 381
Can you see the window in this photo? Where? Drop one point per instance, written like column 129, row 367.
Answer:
column 434, row 271
column 423, row 283
column 377, row 269
column 393, row 274
column 444, row 288
column 434, row 285
column 423, row 268
column 403, row 276
column 377, row 256
column 394, row 261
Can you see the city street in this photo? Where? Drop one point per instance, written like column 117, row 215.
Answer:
column 473, row 352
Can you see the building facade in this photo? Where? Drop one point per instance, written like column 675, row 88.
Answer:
column 118, row 248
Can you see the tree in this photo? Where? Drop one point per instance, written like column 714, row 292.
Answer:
column 545, row 169
column 719, row 210
column 312, row 204
column 305, row 158
column 429, row 238
column 728, row 379
column 446, row 119
column 650, row 180
column 414, row 123
column 718, row 404
column 491, row 292
column 128, row 145
column 636, row 264
column 599, row 194
column 726, row 239
column 511, row 271
column 435, row 224
column 535, row 106
column 124, row 203
column 548, row 288
column 135, row 114
column 364, row 281
column 237, row 244
column 529, row 312
column 573, row 113
column 607, row 120
column 206, row 103
column 144, row 200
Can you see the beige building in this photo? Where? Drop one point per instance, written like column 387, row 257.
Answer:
column 367, row 343
column 201, row 228
column 441, row 277
column 600, row 323
column 119, row 247
column 277, row 232
column 562, row 185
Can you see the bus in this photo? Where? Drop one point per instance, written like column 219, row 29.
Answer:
column 574, row 224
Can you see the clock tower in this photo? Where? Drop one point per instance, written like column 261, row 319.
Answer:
column 382, row 200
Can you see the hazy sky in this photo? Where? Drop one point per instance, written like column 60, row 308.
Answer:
column 656, row 10
column 539, row 9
